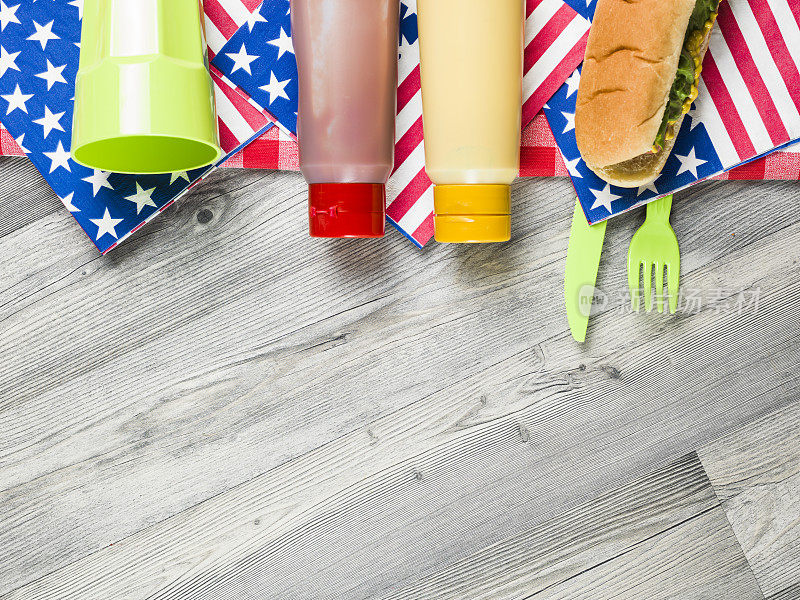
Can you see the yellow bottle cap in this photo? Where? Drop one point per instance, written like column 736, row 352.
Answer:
column 472, row 213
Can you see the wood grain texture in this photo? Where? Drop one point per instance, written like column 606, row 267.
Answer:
column 790, row 593
column 289, row 383
column 698, row 560
column 756, row 472
column 25, row 196
column 661, row 536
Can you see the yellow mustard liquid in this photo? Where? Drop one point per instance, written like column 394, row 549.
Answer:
column 471, row 67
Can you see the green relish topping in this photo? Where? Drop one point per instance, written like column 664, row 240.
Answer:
column 686, row 77
column 701, row 14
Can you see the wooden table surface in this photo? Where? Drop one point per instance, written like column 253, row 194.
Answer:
column 223, row 408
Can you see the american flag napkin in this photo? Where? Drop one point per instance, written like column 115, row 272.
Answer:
column 259, row 60
column 39, row 52
column 749, row 106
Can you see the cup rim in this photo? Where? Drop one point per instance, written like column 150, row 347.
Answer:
column 109, row 167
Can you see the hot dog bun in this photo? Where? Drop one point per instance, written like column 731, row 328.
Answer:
column 630, row 65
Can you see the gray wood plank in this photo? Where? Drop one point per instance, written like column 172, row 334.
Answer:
column 200, row 355
column 790, row 593
column 698, row 560
column 661, row 536
column 756, row 472
column 25, row 198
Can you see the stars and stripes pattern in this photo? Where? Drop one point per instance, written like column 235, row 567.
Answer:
column 39, row 52
column 224, row 18
column 752, row 75
column 748, row 107
column 555, row 40
column 541, row 157
column 259, row 60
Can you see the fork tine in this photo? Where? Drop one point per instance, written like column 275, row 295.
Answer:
column 633, row 284
column 648, row 299
column 673, row 273
column 660, row 287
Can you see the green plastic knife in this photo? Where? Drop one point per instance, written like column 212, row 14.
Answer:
column 580, row 274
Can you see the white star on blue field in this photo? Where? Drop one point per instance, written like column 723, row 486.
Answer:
column 259, row 58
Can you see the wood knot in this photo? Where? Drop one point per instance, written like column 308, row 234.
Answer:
column 204, row 216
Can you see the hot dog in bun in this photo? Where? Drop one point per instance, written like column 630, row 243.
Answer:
column 640, row 76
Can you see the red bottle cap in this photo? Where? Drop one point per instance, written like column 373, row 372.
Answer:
column 347, row 210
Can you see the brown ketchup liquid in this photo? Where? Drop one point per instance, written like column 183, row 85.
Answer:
column 347, row 64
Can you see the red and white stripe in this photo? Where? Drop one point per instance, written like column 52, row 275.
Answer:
column 8, row 146
column 410, row 192
column 555, row 38
column 239, row 120
column 223, row 19
column 274, row 149
column 749, row 94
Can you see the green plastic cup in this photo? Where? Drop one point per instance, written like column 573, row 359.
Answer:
column 144, row 100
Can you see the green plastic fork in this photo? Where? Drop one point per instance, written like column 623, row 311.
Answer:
column 655, row 246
